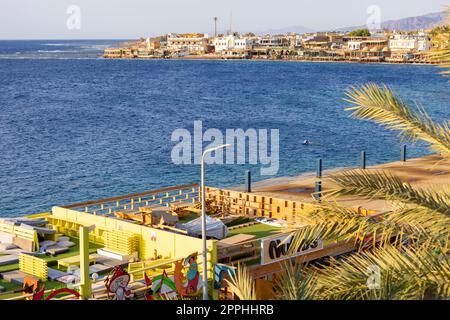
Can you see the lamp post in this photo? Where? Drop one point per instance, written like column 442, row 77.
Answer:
column 205, row 271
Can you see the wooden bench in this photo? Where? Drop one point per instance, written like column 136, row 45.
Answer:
column 74, row 261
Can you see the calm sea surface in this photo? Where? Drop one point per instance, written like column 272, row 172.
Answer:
column 75, row 127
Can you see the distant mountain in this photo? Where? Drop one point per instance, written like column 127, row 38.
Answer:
column 427, row 21
column 295, row 29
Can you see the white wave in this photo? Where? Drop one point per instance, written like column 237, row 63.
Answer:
column 58, row 44
column 57, row 51
column 97, row 47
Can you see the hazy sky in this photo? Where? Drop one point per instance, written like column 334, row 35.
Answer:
column 102, row 19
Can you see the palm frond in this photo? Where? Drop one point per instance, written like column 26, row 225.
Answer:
column 379, row 184
column 295, row 284
column 421, row 223
column 242, row 284
column 328, row 230
column 399, row 274
column 381, row 105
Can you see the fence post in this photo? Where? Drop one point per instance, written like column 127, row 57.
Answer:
column 363, row 159
column 319, row 168
column 403, row 153
column 319, row 191
column 248, row 181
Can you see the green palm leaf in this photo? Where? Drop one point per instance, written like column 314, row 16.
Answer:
column 378, row 184
column 295, row 283
column 403, row 274
column 242, row 284
column 382, row 105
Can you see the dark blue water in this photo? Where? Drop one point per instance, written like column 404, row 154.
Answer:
column 76, row 129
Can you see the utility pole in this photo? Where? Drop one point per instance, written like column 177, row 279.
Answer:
column 215, row 26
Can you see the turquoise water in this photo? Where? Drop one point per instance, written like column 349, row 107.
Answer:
column 74, row 127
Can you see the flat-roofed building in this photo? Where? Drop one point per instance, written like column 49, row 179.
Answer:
column 366, row 48
column 190, row 42
column 273, row 41
column 360, row 43
column 231, row 42
column 417, row 42
column 112, row 53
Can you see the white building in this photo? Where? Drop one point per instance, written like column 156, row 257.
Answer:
column 273, row 41
column 230, row 42
column 243, row 44
column 354, row 45
column 419, row 42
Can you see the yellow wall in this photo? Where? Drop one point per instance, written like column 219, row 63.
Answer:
column 252, row 204
column 167, row 244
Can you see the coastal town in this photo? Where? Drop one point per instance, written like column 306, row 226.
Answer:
column 356, row 46
column 298, row 181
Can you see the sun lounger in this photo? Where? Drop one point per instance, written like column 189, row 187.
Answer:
column 8, row 259
column 54, row 274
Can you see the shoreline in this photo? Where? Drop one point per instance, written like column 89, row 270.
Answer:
column 202, row 58
column 421, row 172
column 100, row 57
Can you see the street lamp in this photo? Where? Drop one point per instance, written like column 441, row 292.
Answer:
column 205, row 274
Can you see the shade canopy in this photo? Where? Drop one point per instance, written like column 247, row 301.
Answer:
column 214, row 228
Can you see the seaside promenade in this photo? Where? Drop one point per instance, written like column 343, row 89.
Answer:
column 420, row 172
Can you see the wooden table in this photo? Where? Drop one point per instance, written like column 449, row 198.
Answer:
column 236, row 239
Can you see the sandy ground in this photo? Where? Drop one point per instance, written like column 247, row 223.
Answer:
column 420, row 172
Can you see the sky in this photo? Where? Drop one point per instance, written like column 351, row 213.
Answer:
column 131, row 19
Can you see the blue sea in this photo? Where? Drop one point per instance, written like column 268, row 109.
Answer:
column 75, row 126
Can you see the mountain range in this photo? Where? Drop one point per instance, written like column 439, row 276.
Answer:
column 426, row 21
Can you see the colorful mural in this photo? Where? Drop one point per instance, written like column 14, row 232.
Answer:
column 116, row 284
column 220, row 270
column 192, row 275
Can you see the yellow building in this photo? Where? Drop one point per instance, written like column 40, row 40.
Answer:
column 196, row 43
column 113, row 53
